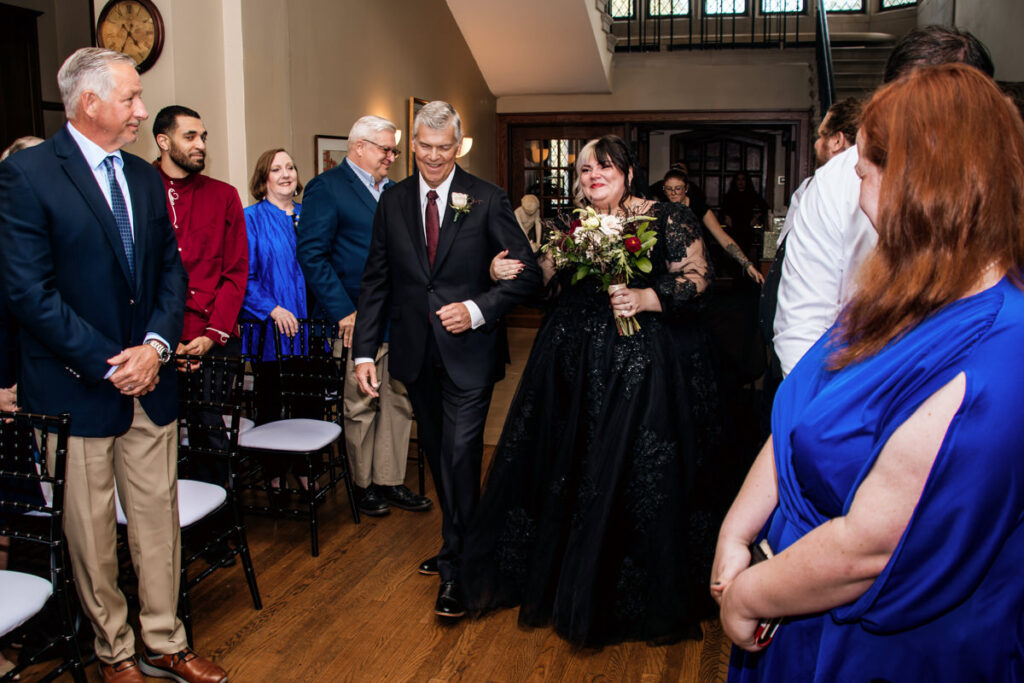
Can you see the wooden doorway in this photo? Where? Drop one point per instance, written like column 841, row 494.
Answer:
column 714, row 157
column 542, row 162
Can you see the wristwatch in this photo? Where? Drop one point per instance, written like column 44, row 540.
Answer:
column 162, row 352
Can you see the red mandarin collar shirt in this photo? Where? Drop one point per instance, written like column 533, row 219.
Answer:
column 209, row 224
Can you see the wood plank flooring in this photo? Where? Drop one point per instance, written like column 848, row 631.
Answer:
column 360, row 612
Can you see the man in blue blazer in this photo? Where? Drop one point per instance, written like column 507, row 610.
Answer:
column 333, row 240
column 93, row 276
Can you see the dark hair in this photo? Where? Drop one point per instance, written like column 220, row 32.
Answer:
column 845, row 118
column 610, row 149
column 258, row 182
column 934, row 45
column 167, row 118
column 940, row 127
column 677, row 175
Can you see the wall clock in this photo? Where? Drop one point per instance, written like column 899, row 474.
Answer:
column 133, row 27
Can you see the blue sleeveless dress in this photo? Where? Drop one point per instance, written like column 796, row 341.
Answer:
column 949, row 606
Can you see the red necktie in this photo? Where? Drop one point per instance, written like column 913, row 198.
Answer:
column 433, row 224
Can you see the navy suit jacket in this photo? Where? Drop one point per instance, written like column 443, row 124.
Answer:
column 399, row 283
column 334, row 239
column 69, row 286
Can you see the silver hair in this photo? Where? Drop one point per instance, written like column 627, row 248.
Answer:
column 87, row 69
column 438, row 115
column 368, row 126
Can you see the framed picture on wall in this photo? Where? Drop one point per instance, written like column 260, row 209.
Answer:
column 329, row 151
column 415, row 104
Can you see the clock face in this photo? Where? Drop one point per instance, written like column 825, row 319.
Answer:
column 134, row 28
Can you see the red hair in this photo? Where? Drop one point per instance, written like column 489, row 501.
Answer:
column 950, row 147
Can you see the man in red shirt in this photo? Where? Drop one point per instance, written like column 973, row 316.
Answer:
column 208, row 222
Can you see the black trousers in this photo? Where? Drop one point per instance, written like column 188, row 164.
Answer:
column 450, row 426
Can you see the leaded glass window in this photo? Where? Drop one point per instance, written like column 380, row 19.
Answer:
column 778, row 6
column 668, row 8
column 621, row 9
column 725, row 6
column 844, row 5
column 888, row 4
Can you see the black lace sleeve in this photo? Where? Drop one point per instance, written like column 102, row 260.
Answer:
column 689, row 270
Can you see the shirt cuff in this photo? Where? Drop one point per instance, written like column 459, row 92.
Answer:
column 475, row 316
column 357, row 361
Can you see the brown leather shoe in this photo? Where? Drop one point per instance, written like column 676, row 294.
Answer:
column 185, row 667
column 125, row 671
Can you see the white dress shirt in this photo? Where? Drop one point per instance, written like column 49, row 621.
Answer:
column 829, row 239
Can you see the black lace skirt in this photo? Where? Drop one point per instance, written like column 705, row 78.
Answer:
column 602, row 504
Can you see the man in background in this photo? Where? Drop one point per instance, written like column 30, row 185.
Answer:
column 337, row 221
column 831, row 236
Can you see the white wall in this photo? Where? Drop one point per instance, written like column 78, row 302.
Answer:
column 1000, row 25
column 695, row 81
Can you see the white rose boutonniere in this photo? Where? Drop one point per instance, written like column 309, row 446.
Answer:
column 461, row 203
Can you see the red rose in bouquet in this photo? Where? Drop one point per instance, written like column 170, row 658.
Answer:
column 632, row 244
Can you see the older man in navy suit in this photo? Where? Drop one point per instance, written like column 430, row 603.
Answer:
column 333, row 240
column 93, row 275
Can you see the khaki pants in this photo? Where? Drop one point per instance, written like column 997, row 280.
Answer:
column 377, row 430
column 143, row 462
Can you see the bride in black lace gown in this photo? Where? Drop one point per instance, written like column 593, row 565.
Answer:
column 603, row 499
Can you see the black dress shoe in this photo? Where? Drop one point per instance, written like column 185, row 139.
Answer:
column 370, row 503
column 401, row 497
column 449, row 603
column 429, row 567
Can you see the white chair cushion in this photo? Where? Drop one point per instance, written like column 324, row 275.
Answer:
column 196, row 499
column 22, row 595
column 298, row 436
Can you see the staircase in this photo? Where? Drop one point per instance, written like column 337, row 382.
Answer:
column 858, row 68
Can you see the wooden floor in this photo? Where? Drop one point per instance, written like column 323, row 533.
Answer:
column 360, row 612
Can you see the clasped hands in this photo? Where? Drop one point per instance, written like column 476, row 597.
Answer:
column 627, row 302
column 137, row 370
column 732, row 557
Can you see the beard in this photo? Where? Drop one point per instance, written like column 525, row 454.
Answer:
column 183, row 161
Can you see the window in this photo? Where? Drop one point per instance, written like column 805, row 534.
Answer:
column 668, row 8
column 779, row 6
column 889, row 4
column 622, row 9
column 725, row 7
column 844, row 5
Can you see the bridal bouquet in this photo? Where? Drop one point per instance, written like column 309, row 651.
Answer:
column 612, row 248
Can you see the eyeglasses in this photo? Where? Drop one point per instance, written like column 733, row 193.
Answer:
column 675, row 190
column 387, row 150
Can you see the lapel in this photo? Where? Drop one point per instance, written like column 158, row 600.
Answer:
column 83, row 179
column 414, row 218
column 358, row 188
column 461, row 182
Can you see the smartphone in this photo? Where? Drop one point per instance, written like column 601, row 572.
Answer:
column 766, row 628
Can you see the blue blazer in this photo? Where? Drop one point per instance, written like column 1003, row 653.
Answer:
column 334, row 239
column 69, row 286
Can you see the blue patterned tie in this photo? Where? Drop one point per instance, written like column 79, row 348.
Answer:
column 120, row 209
